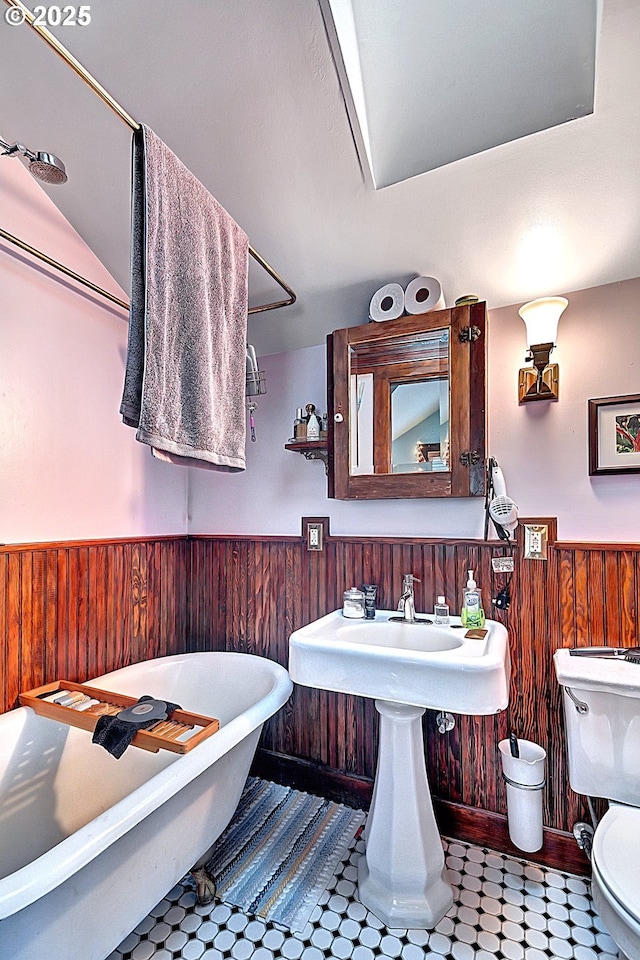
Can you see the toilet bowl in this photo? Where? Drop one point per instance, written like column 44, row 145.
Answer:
column 615, row 885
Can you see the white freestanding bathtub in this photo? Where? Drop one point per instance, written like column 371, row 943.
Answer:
column 89, row 844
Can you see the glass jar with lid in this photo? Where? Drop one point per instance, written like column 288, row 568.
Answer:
column 353, row 604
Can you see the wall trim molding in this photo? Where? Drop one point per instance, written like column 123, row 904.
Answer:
column 515, row 547
column 293, row 538
column 75, row 544
column 354, row 538
column 594, row 545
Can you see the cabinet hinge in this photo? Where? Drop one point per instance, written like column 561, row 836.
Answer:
column 469, row 334
column 469, row 458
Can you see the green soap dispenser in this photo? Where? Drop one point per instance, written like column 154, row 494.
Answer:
column 472, row 612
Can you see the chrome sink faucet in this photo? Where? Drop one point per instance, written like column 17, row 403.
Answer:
column 406, row 603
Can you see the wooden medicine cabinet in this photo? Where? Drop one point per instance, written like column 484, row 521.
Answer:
column 408, row 403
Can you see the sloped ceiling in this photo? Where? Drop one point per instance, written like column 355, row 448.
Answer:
column 247, row 94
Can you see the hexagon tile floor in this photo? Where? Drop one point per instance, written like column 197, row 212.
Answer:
column 504, row 909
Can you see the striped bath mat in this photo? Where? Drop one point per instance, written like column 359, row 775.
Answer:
column 280, row 851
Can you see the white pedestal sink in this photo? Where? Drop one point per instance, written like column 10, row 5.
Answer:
column 401, row 877
column 406, row 668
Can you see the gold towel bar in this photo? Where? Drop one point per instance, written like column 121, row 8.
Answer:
column 98, row 89
column 61, row 267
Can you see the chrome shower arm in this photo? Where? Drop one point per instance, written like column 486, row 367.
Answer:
column 11, row 148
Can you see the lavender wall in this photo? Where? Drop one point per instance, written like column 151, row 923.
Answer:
column 69, row 468
column 279, row 487
column 542, row 447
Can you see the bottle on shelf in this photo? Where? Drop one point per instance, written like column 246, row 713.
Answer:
column 313, row 424
column 300, row 425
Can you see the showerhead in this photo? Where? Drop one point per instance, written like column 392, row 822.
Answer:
column 43, row 166
column 48, row 168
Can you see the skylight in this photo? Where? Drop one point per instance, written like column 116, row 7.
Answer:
column 429, row 82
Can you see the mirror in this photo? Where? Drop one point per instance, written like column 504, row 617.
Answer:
column 420, row 425
column 408, row 406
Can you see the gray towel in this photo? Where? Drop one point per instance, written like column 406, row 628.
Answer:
column 184, row 386
column 115, row 734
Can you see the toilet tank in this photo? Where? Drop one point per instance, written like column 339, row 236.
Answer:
column 603, row 743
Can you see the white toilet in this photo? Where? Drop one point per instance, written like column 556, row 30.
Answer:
column 602, row 720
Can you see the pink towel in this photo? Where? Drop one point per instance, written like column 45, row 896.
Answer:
column 184, row 385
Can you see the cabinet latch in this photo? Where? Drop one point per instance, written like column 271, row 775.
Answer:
column 469, row 334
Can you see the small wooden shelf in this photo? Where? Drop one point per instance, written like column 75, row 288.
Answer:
column 311, row 450
column 162, row 735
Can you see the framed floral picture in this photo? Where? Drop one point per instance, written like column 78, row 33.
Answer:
column 614, row 435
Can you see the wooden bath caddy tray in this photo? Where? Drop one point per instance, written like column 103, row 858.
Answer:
column 162, row 735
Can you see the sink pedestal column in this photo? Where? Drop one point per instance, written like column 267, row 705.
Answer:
column 401, row 876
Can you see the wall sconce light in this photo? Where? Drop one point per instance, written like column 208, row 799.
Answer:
column 540, row 382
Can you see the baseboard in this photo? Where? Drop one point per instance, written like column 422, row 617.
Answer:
column 471, row 824
column 313, row 778
column 486, row 829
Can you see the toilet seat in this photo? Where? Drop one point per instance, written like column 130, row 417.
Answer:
column 616, row 857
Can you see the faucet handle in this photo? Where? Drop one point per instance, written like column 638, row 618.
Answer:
column 408, row 579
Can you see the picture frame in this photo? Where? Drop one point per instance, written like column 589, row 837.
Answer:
column 614, row 435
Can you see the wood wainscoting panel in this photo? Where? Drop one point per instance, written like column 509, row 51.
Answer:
column 77, row 610
column 250, row 594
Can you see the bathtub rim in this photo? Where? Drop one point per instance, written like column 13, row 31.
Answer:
column 48, row 871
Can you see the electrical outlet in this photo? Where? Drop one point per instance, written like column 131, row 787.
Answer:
column 536, row 538
column 314, row 536
column 315, row 531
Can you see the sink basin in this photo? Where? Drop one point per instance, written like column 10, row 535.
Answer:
column 400, row 636
column 422, row 664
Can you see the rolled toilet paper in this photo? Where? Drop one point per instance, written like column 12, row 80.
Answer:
column 423, row 294
column 387, row 303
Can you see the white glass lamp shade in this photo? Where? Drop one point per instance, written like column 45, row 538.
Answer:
column 541, row 318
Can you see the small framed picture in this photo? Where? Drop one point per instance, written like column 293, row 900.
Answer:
column 614, row 435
